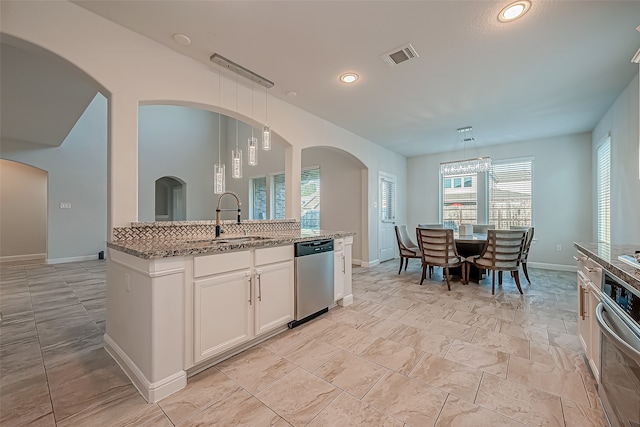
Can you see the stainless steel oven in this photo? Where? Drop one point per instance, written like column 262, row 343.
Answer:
column 618, row 316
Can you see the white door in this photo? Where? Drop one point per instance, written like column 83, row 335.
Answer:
column 386, row 235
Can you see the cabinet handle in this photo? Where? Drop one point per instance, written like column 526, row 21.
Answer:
column 344, row 266
column 582, row 258
column 581, row 303
column 259, row 287
column 250, row 291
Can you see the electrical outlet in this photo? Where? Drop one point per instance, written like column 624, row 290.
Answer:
column 65, row 205
column 558, row 248
column 127, row 279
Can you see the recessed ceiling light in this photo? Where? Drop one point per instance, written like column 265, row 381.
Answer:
column 349, row 77
column 182, row 39
column 514, row 11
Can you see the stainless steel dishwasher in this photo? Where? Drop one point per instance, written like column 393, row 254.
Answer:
column 313, row 279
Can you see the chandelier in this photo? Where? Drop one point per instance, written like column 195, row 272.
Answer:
column 467, row 166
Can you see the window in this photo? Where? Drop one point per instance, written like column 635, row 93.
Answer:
column 603, row 183
column 258, row 201
column 510, row 193
column 278, row 199
column 267, row 201
column 387, row 198
column 310, row 198
column 460, row 203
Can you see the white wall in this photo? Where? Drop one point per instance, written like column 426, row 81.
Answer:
column 561, row 191
column 135, row 70
column 340, row 190
column 77, row 175
column 23, row 211
column 622, row 123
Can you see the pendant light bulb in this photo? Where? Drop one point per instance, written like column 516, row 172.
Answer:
column 252, row 156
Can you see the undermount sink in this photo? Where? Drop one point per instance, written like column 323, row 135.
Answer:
column 237, row 240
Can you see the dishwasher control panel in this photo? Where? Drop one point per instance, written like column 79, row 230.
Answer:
column 313, row 247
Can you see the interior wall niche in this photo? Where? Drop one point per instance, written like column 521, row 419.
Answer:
column 171, row 200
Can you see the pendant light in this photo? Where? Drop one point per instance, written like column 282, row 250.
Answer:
column 266, row 131
column 218, row 168
column 252, row 149
column 236, row 155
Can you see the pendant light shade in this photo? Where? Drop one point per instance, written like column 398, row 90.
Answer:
column 266, row 130
column 252, row 151
column 266, row 138
column 236, row 163
column 218, row 178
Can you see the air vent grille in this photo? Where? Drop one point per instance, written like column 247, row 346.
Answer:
column 399, row 55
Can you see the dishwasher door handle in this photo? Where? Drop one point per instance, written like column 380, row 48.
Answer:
column 625, row 347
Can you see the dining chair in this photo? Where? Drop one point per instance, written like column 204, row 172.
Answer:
column 525, row 251
column 406, row 247
column 439, row 250
column 502, row 252
column 431, row 225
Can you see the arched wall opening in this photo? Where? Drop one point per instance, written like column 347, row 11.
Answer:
column 23, row 212
column 74, row 152
column 186, row 139
column 171, row 201
column 343, row 193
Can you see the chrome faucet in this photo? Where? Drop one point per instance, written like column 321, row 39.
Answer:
column 218, row 210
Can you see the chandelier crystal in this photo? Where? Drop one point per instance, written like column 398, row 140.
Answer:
column 467, row 166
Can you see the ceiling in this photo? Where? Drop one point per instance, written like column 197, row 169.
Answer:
column 555, row 71
column 42, row 99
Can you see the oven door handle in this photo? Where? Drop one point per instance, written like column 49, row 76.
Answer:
column 619, row 342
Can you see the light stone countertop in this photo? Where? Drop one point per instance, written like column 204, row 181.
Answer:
column 607, row 257
column 164, row 248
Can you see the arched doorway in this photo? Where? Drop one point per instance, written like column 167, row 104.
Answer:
column 23, row 213
column 171, row 199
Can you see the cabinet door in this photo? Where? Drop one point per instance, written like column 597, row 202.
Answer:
column 338, row 275
column 594, row 353
column 274, row 296
column 584, row 333
column 221, row 313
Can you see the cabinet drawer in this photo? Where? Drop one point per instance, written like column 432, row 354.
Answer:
column 221, row 263
column 271, row 255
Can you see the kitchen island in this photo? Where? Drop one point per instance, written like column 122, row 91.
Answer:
column 180, row 300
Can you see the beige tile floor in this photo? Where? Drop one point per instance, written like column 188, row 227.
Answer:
column 402, row 354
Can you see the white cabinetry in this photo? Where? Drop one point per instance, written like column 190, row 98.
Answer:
column 238, row 296
column 222, row 303
column 589, row 282
column 342, row 292
column 274, row 279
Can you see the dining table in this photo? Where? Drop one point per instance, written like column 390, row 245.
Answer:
column 469, row 245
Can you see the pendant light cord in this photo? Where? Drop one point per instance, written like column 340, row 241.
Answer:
column 219, row 118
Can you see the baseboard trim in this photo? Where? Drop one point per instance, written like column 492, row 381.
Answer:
column 547, row 266
column 152, row 392
column 71, row 259
column 370, row 263
column 346, row 301
column 357, row 262
column 27, row 257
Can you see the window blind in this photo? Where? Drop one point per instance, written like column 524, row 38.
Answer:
column 510, row 193
column 603, row 184
column 387, row 199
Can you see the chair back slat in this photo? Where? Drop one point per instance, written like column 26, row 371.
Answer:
column 504, row 248
column 528, row 240
column 438, row 246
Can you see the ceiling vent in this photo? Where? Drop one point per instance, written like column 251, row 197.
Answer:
column 399, row 55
